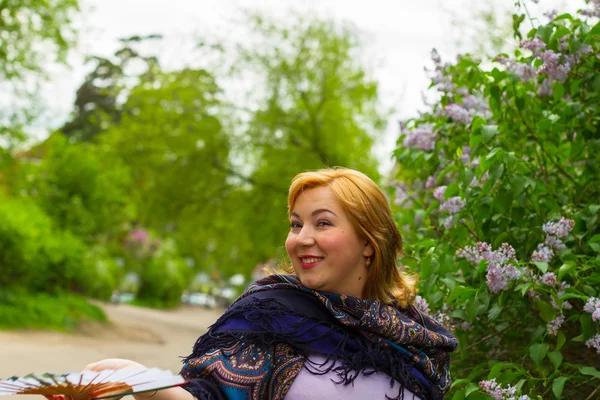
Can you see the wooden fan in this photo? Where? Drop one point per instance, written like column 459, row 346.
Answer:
column 89, row 385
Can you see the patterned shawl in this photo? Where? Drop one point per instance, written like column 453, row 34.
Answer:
column 260, row 344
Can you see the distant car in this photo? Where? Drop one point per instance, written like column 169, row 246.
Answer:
column 126, row 298
column 203, row 300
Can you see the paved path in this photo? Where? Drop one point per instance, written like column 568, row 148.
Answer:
column 151, row 337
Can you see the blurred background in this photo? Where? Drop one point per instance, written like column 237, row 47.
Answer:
column 146, row 147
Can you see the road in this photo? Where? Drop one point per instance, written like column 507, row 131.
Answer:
column 152, row 337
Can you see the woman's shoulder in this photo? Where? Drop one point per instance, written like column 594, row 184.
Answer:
column 288, row 300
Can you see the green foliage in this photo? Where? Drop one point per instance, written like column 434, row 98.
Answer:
column 31, row 34
column 99, row 273
column 20, row 310
column 24, row 26
column 164, row 278
column 319, row 108
column 83, row 192
column 514, row 143
column 33, row 253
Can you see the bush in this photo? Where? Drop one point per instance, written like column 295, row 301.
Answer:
column 33, row 254
column 163, row 277
column 20, row 309
column 100, row 274
column 498, row 200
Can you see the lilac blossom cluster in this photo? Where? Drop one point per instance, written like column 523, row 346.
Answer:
column 138, row 237
column 453, row 205
column 594, row 11
column 470, row 107
column 495, row 390
column 594, row 342
column 593, row 307
column 422, row 305
column 561, row 290
column 440, row 80
column 555, row 66
column 422, row 137
column 548, row 279
column 555, row 231
column 500, row 270
column 554, row 325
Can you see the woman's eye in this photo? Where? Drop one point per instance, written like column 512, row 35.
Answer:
column 323, row 223
column 295, row 224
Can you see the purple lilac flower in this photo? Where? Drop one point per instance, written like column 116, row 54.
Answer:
column 535, row 45
column 495, row 390
column 138, row 236
column 559, row 229
column 554, row 325
column 449, row 222
column 430, row 184
column 593, row 307
column 422, row 137
column 551, row 14
column 545, row 88
column 421, row 305
column 458, row 113
column 594, row 11
column 554, row 232
column 453, row 205
column 543, row 253
column 548, row 279
column 401, row 194
column 500, row 270
column 524, row 72
column 438, row 193
column 594, row 342
column 554, row 242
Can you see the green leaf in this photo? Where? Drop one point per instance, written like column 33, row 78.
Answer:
column 547, row 312
column 460, row 395
column 591, row 371
column 475, row 138
column 595, row 30
column 544, row 125
column 489, row 131
column 459, row 382
column 542, row 266
column 471, row 387
column 558, row 385
column 560, row 340
column 461, row 292
column 558, row 91
column 494, row 312
column 565, row 269
column 555, row 358
column 588, row 327
column 538, row 351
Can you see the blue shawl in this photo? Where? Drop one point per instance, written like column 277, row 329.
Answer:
column 258, row 346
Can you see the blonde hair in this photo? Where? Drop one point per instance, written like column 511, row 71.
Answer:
column 370, row 214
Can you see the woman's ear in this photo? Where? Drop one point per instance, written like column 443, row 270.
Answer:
column 368, row 251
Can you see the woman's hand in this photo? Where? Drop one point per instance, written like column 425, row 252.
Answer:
column 112, row 363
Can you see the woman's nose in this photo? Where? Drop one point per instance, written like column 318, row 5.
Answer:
column 305, row 237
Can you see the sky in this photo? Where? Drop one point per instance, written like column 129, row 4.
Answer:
column 398, row 36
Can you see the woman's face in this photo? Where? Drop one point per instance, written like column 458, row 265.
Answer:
column 326, row 252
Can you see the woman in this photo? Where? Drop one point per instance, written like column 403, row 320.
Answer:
column 342, row 325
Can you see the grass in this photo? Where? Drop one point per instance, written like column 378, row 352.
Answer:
column 24, row 310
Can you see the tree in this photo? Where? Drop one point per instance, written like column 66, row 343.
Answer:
column 27, row 31
column 318, row 108
column 498, row 201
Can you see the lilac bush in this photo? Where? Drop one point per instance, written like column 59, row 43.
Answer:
column 503, row 177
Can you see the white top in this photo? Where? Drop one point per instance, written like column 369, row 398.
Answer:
column 308, row 386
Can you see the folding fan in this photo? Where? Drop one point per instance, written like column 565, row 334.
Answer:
column 89, row 385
